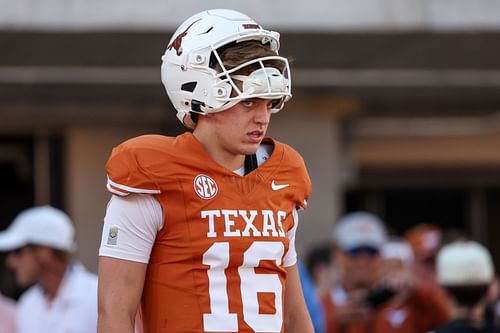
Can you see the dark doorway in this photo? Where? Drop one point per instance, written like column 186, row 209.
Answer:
column 21, row 159
column 16, row 192
column 402, row 208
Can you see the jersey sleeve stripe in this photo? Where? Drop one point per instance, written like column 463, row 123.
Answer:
column 115, row 191
column 117, row 186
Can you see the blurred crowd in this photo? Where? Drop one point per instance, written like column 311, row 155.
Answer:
column 426, row 280
column 363, row 280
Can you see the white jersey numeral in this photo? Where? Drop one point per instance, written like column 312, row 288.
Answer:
column 220, row 319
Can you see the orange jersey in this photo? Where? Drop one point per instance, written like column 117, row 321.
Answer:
column 218, row 264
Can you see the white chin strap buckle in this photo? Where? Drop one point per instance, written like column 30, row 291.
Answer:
column 263, row 81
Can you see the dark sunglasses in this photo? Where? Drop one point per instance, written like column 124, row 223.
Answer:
column 366, row 250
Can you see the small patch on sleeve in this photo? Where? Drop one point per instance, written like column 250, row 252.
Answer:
column 112, row 236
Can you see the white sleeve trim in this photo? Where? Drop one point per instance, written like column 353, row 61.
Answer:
column 130, row 227
column 115, row 191
column 290, row 258
column 132, row 189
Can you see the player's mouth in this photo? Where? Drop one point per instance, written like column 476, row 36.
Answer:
column 255, row 136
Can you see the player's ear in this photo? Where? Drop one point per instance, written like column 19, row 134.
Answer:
column 188, row 122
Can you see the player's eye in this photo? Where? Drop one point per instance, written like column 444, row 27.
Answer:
column 248, row 102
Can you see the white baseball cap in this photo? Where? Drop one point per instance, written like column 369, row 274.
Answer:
column 359, row 229
column 43, row 225
column 464, row 264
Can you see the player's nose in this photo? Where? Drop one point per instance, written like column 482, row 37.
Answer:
column 262, row 112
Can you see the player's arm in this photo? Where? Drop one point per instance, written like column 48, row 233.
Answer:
column 296, row 316
column 129, row 232
column 297, row 319
column 120, row 289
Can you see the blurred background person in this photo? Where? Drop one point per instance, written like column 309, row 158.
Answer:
column 466, row 270
column 7, row 315
column 322, row 274
column 63, row 295
column 321, row 268
column 311, row 296
column 415, row 306
column 493, row 301
column 367, row 299
column 357, row 240
column 397, row 256
column 425, row 240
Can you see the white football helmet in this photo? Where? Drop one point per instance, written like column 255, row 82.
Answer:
column 188, row 69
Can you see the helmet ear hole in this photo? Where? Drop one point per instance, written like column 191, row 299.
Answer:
column 189, row 86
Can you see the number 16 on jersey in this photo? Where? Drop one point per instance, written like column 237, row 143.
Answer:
column 220, row 319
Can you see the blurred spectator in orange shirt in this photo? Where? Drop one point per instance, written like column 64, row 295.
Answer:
column 425, row 240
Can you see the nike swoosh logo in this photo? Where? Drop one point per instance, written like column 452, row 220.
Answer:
column 278, row 187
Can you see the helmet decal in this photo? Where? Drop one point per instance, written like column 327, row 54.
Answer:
column 176, row 44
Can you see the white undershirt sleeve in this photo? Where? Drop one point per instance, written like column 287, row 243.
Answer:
column 130, row 227
column 290, row 258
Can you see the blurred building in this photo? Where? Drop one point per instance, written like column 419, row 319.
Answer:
column 396, row 105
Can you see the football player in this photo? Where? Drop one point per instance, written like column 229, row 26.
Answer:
column 199, row 232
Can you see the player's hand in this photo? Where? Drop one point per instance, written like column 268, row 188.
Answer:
column 399, row 281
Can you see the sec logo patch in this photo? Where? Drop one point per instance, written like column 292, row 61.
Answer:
column 205, row 187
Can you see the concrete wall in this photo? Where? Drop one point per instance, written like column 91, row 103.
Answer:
column 323, row 15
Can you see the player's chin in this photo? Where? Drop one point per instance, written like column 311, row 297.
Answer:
column 249, row 148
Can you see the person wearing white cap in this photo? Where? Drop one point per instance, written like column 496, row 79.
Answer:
column 63, row 295
column 371, row 297
column 466, row 270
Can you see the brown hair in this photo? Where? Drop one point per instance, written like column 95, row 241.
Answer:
column 238, row 53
